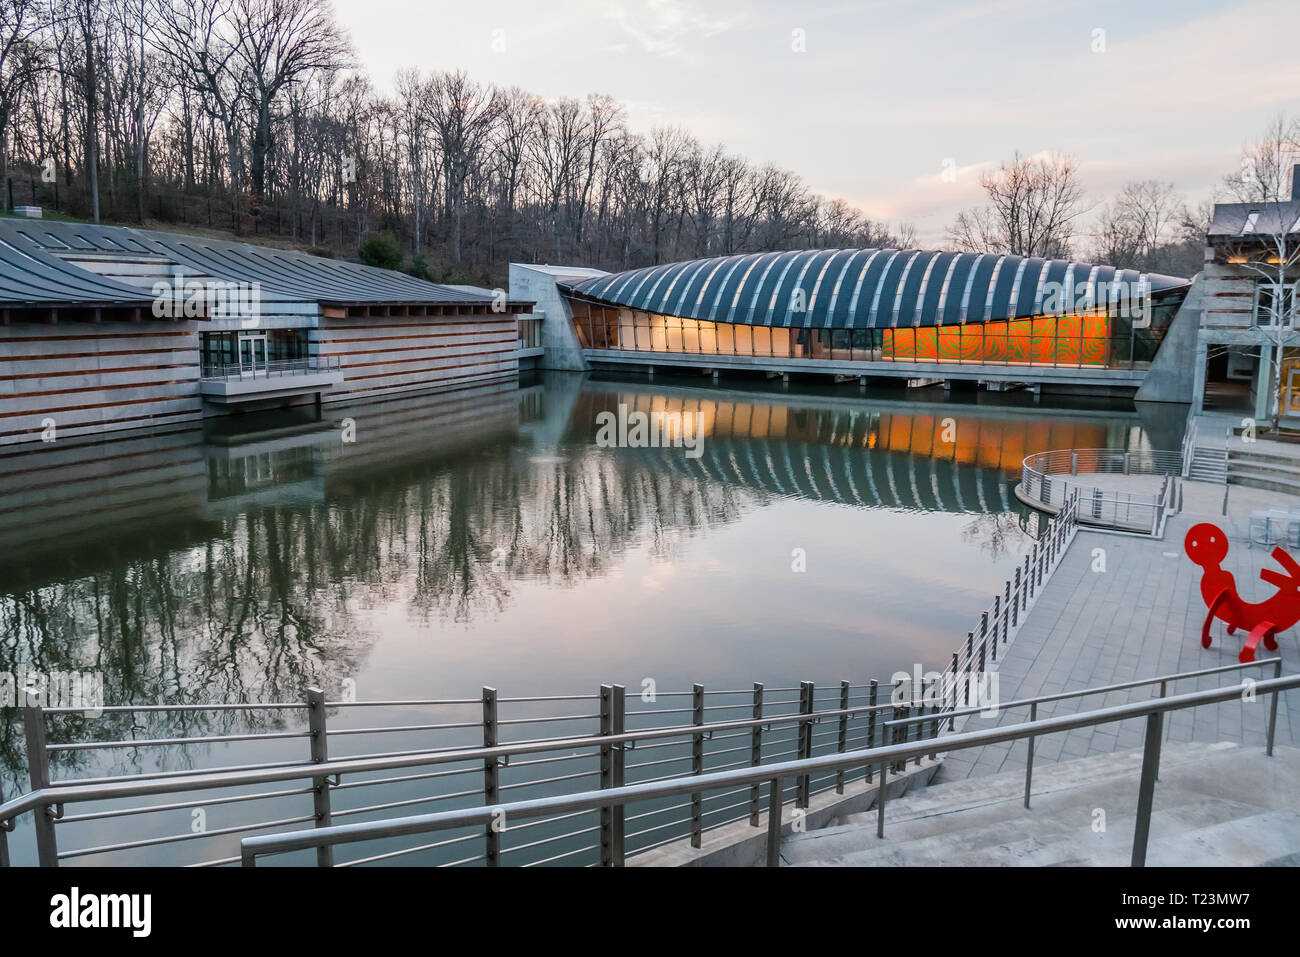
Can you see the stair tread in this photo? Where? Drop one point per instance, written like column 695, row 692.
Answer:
column 1048, row 777
column 1236, row 812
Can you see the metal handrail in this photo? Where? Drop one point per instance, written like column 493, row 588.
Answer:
column 1041, row 475
column 883, row 757
column 770, row 720
column 143, row 785
column 266, row 370
column 1088, row 692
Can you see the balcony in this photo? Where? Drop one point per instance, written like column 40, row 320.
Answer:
column 233, row 384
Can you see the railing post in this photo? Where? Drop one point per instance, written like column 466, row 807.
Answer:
column 491, row 776
column 952, row 722
column 697, row 764
column 1147, row 789
column 1015, row 607
column 319, row 755
column 871, row 716
column 995, row 626
column 5, row 826
column 774, row 823
column 1272, row 710
column 970, row 660
column 756, row 753
column 38, row 764
column 613, row 710
column 1029, row 757
column 1025, row 590
column 805, row 742
column 936, row 724
column 843, row 741
column 883, row 767
column 618, row 813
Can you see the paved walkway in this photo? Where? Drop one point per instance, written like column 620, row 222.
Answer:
column 1139, row 618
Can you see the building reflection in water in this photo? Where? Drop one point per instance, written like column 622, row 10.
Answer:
column 246, row 565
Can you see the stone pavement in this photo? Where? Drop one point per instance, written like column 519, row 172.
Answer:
column 1139, row 618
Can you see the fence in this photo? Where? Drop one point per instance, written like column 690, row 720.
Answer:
column 273, row 369
column 1050, row 478
column 483, row 751
column 616, row 799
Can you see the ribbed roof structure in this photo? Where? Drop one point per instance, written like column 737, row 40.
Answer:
column 33, row 270
column 866, row 288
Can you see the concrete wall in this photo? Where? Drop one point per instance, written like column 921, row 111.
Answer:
column 1171, row 376
column 563, row 352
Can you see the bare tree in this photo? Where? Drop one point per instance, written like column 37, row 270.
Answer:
column 204, row 39
column 279, row 42
column 1269, row 243
column 463, row 115
column 21, row 23
column 1033, row 203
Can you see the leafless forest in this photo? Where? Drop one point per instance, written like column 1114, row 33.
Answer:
column 253, row 116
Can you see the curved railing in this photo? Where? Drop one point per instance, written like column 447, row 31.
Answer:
column 1047, row 479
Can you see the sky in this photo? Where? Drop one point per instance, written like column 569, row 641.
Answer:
column 875, row 101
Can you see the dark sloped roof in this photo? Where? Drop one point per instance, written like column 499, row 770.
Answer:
column 858, row 288
column 30, row 277
column 282, row 274
column 1231, row 218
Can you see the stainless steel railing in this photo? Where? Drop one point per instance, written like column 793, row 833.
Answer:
column 1052, row 477
column 272, row 370
column 460, row 751
column 499, row 817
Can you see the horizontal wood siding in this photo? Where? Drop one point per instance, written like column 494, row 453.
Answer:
column 393, row 354
column 92, row 378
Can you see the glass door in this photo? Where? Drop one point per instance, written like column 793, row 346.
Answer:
column 252, row 355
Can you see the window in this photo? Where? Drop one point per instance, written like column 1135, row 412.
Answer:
column 1275, row 305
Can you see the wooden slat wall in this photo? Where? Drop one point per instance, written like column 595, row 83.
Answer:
column 1229, row 297
column 91, row 378
column 393, row 354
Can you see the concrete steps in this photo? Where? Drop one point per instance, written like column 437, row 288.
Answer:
column 1215, row 804
column 1270, row 472
column 1207, row 465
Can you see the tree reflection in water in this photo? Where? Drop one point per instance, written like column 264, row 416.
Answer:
column 190, row 571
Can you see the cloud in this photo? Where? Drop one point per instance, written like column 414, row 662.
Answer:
column 661, row 27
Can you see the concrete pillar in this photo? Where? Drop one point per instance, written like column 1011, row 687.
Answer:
column 1198, row 382
column 1265, row 387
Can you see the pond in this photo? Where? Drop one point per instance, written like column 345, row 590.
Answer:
column 424, row 547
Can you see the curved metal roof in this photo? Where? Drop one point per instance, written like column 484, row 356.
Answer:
column 32, row 277
column 861, row 288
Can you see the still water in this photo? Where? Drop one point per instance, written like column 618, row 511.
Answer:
column 485, row 538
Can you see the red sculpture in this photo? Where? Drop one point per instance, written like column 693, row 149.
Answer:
column 1207, row 546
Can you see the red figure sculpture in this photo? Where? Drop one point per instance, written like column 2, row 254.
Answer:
column 1207, row 546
